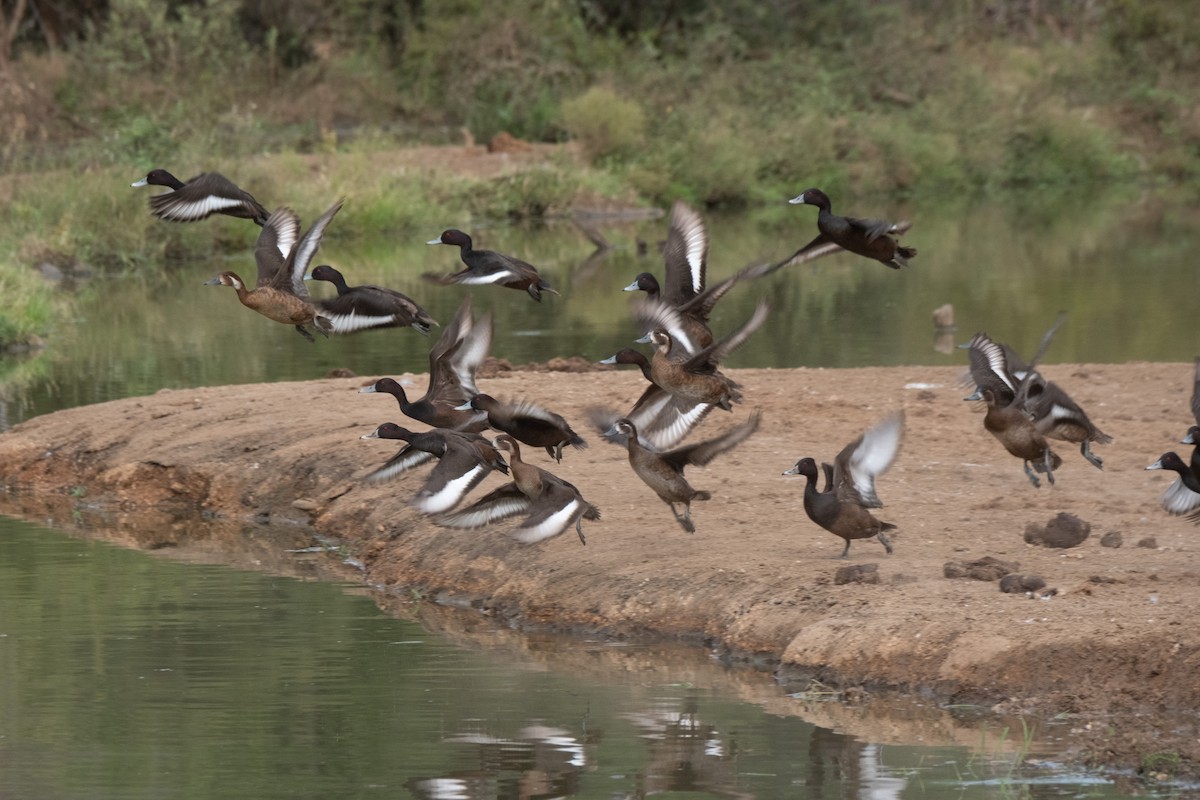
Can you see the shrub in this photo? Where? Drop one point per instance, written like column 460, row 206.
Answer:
column 604, row 123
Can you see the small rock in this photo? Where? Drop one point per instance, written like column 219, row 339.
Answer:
column 857, row 573
column 981, row 569
column 1065, row 530
column 341, row 372
column 1150, row 543
column 305, row 504
column 1112, row 539
column 1015, row 583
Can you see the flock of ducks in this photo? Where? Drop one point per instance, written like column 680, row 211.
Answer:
column 684, row 379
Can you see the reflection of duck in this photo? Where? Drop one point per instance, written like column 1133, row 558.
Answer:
column 866, row 237
column 365, row 306
column 540, row 760
column 686, row 754
column 464, row 459
column 453, row 361
column 282, row 260
column 842, row 508
column 550, row 504
column 204, row 195
column 489, row 267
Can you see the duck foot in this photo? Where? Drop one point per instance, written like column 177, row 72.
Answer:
column 304, row 332
column 883, row 539
column 1096, row 461
column 1032, row 477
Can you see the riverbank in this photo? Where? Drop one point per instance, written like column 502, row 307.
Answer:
column 1114, row 648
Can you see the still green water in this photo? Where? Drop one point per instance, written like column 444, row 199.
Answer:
column 125, row 675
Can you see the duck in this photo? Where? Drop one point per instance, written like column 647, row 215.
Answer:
column 696, row 378
column 489, row 267
column 818, row 248
column 663, row 471
column 661, row 419
column 1183, row 495
column 1057, row 416
column 204, row 195
column 870, row 238
column 283, row 257
column 849, row 490
column 687, row 302
column 550, row 504
column 464, row 460
column 368, row 306
column 453, row 361
column 528, row 423
column 1006, row 418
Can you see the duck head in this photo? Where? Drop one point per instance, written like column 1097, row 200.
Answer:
column 645, row 283
column 811, row 197
column 226, row 279
column 158, row 177
column 622, row 428
column 626, row 356
column 388, row 430
column 806, row 467
column 661, row 340
column 1170, row 461
column 452, row 236
column 385, row 386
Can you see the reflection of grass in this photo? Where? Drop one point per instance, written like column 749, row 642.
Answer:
column 1004, row 761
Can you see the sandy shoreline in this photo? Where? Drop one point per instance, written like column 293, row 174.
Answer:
column 755, row 582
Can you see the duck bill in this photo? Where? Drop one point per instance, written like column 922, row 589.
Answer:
column 644, row 340
column 609, row 360
column 213, row 281
column 372, row 435
column 435, row 241
column 368, row 389
column 142, row 182
column 464, row 407
column 1189, row 439
column 1156, row 465
column 633, row 287
column 975, row 395
column 797, row 200
column 795, row 470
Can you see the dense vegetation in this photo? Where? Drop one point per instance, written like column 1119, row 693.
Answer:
column 721, row 103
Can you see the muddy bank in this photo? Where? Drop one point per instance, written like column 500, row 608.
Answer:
column 1115, row 646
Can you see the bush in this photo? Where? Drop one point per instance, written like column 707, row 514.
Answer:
column 604, row 123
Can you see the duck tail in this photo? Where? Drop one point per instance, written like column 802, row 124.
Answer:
column 906, row 252
column 702, row 495
column 887, row 526
column 591, row 512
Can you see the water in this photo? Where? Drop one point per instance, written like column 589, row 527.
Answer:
column 1118, row 263
column 125, row 674
column 128, row 675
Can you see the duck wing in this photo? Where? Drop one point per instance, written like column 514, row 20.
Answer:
column 291, row 277
column 406, row 458
column 465, row 361
column 557, row 508
column 703, row 452
column 821, row 246
column 1196, row 393
column 500, row 503
column 717, row 351
column 370, row 306
column 869, row 455
column 660, row 418
column 459, row 470
column 274, row 243
column 685, row 255
column 989, row 368
column 651, row 314
column 204, row 195
column 1056, row 415
column 870, row 229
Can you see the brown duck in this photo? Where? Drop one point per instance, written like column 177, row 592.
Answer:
column 283, row 257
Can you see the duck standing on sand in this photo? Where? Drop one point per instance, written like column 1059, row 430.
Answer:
column 279, row 292
column 365, row 306
column 550, row 504
column 464, row 459
column 842, row 507
column 663, row 471
column 204, row 195
column 871, row 238
column 489, row 267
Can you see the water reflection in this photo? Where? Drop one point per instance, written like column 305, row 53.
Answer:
column 537, row 762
